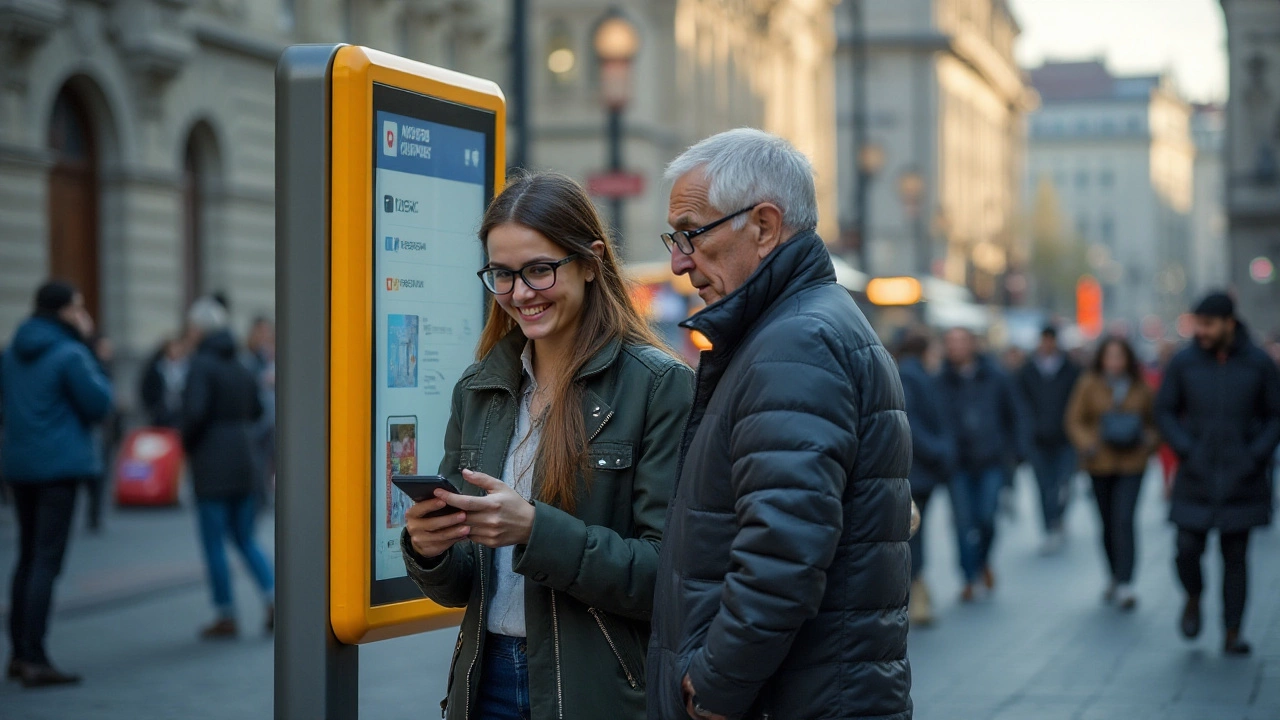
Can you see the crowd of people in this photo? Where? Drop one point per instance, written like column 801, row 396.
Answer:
column 62, row 428
column 1209, row 411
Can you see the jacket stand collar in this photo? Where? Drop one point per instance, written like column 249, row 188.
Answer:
column 795, row 265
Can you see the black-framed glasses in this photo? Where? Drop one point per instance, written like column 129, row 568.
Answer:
column 683, row 239
column 539, row 275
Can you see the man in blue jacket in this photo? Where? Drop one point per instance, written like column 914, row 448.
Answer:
column 53, row 392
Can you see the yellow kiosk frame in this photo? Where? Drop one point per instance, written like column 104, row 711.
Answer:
column 355, row 71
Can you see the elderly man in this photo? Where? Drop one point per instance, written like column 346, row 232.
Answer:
column 785, row 570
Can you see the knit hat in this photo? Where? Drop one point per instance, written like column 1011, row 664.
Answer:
column 53, row 296
column 1217, row 304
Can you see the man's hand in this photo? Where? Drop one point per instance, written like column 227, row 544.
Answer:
column 915, row 519
column 432, row 537
column 689, row 694
column 500, row 518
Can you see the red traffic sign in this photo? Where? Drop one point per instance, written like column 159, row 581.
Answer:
column 618, row 184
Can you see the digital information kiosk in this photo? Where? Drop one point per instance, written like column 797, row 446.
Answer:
column 384, row 169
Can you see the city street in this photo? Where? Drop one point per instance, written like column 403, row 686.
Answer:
column 1044, row 647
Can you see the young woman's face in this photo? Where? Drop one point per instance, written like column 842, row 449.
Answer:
column 548, row 314
column 1114, row 362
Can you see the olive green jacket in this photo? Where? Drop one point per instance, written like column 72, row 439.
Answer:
column 591, row 574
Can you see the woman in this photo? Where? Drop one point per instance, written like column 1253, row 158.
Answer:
column 1111, row 422
column 563, row 442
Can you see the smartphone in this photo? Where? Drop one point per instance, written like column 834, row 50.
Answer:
column 423, row 487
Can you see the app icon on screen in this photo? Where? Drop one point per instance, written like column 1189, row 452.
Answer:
column 402, row 351
column 388, row 203
column 402, row 459
column 390, row 138
column 392, row 243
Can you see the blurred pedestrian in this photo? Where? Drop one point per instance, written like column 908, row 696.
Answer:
column 219, row 410
column 784, row 573
column 987, row 420
column 1219, row 409
column 1046, row 382
column 260, row 357
column 163, row 380
column 933, row 456
column 54, row 393
column 1154, row 376
column 1111, row 420
column 107, row 435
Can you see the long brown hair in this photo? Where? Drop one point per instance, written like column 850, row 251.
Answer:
column 1131, row 366
column 557, row 208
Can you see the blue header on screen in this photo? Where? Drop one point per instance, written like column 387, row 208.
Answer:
column 426, row 148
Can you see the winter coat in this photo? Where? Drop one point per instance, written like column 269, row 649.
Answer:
column 154, row 393
column 1222, row 418
column 987, row 417
column 54, row 391
column 1092, row 399
column 220, row 407
column 933, row 449
column 784, row 575
column 1046, row 398
column 589, row 574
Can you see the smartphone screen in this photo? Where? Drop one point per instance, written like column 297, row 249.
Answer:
column 402, row 459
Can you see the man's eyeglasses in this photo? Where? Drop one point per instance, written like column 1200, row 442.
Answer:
column 683, row 239
column 536, row 275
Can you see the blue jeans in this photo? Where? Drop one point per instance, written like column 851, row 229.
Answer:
column 233, row 516
column 504, row 679
column 1054, row 467
column 975, row 496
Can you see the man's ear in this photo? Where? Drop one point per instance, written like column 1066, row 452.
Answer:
column 768, row 218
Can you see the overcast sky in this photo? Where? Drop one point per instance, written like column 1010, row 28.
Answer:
column 1135, row 36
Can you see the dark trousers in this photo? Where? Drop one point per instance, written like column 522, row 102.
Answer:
column 504, row 679
column 1054, row 465
column 916, row 543
column 1117, row 497
column 1235, row 573
column 44, row 512
column 975, row 496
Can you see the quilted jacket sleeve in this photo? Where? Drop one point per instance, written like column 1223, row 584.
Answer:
column 793, row 445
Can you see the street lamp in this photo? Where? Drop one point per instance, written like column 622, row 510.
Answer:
column 870, row 161
column 616, row 43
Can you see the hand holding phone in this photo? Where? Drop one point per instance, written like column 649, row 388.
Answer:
column 435, row 532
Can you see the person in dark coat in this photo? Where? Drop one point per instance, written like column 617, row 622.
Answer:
column 990, row 427
column 1045, row 382
column 54, row 393
column 163, row 379
column 220, row 407
column 1219, row 409
column 784, row 572
column 933, row 455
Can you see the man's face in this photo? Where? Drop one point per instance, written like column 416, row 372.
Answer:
column 1048, row 345
column 723, row 258
column 1212, row 332
column 958, row 345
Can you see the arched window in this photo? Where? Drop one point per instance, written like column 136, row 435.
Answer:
column 73, row 197
column 199, row 183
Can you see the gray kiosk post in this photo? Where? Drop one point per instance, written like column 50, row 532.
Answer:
column 316, row 676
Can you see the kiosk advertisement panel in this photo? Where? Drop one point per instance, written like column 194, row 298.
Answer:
column 416, row 158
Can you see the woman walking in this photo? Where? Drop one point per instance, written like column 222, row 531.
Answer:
column 1111, row 422
column 563, row 443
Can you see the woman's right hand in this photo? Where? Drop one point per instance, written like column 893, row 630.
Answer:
column 432, row 537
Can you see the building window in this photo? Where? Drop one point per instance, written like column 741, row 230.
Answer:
column 1082, row 179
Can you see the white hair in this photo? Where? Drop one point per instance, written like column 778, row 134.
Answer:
column 746, row 166
column 207, row 315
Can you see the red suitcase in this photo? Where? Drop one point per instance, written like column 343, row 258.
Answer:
column 148, row 467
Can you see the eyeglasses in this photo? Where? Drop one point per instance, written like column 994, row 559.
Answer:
column 536, row 275
column 683, row 239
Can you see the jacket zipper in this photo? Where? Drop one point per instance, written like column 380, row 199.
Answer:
column 457, row 649
column 602, row 424
column 631, row 680
column 555, row 630
column 480, row 634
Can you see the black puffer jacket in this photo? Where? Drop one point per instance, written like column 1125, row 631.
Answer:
column 1222, row 417
column 1046, row 398
column 220, row 406
column 782, row 583
column 933, row 449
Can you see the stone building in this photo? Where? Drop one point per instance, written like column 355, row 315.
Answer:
column 1120, row 155
column 1252, row 164
column 945, row 116
column 136, row 137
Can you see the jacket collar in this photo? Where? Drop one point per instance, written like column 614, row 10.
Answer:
column 796, row 265
column 501, row 369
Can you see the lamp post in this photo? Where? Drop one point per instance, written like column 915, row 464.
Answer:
column 910, row 192
column 616, row 43
column 870, row 160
